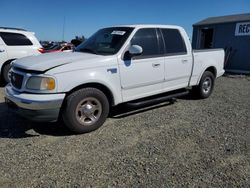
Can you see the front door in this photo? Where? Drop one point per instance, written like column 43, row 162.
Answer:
column 143, row 75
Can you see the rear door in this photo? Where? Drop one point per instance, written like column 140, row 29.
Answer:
column 143, row 75
column 178, row 60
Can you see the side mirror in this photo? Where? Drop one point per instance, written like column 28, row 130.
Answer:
column 135, row 50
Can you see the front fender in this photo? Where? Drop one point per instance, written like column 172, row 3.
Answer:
column 67, row 81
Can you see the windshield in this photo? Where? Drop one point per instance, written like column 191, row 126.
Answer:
column 106, row 41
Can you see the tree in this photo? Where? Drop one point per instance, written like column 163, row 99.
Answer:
column 78, row 40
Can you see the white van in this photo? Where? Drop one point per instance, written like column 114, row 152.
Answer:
column 15, row 43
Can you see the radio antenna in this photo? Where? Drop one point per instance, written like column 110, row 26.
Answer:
column 63, row 28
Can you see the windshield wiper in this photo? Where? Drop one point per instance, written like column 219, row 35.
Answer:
column 88, row 50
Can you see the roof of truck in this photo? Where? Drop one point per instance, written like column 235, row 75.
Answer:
column 149, row 25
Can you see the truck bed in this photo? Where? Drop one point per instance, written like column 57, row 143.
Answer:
column 207, row 58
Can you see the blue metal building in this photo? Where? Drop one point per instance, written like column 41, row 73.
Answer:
column 229, row 32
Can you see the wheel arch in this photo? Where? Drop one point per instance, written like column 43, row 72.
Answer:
column 96, row 85
column 211, row 69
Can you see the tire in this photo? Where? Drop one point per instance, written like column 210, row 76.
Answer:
column 5, row 73
column 206, row 85
column 86, row 110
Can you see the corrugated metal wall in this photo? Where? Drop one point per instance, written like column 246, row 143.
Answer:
column 224, row 37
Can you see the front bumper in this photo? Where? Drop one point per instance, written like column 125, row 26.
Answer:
column 36, row 107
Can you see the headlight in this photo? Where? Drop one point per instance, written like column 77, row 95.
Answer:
column 41, row 83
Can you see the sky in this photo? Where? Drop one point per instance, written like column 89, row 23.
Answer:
column 46, row 17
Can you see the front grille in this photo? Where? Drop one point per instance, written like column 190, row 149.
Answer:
column 16, row 80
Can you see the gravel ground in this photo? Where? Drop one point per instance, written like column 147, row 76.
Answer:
column 191, row 143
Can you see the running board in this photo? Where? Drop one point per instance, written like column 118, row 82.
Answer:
column 154, row 100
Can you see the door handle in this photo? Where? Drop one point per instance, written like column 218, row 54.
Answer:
column 2, row 51
column 155, row 65
column 184, row 61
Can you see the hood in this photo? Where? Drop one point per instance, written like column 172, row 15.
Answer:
column 48, row 61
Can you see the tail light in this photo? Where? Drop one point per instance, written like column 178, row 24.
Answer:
column 41, row 50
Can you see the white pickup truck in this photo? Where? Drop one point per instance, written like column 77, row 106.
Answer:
column 116, row 65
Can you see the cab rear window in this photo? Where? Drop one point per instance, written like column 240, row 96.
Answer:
column 174, row 42
column 15, row 39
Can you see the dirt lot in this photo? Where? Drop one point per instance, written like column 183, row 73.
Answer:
column 195, row 143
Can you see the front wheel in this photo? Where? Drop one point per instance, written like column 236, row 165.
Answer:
column 86, row 110
column 206, row 85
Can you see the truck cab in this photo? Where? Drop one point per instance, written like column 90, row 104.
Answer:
column 164, row 64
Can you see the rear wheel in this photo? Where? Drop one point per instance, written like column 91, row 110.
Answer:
column 206, row 85
column 86, row 110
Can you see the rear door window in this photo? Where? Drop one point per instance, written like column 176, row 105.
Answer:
column 147, row 39
column 15, row 39
column 174, row 43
